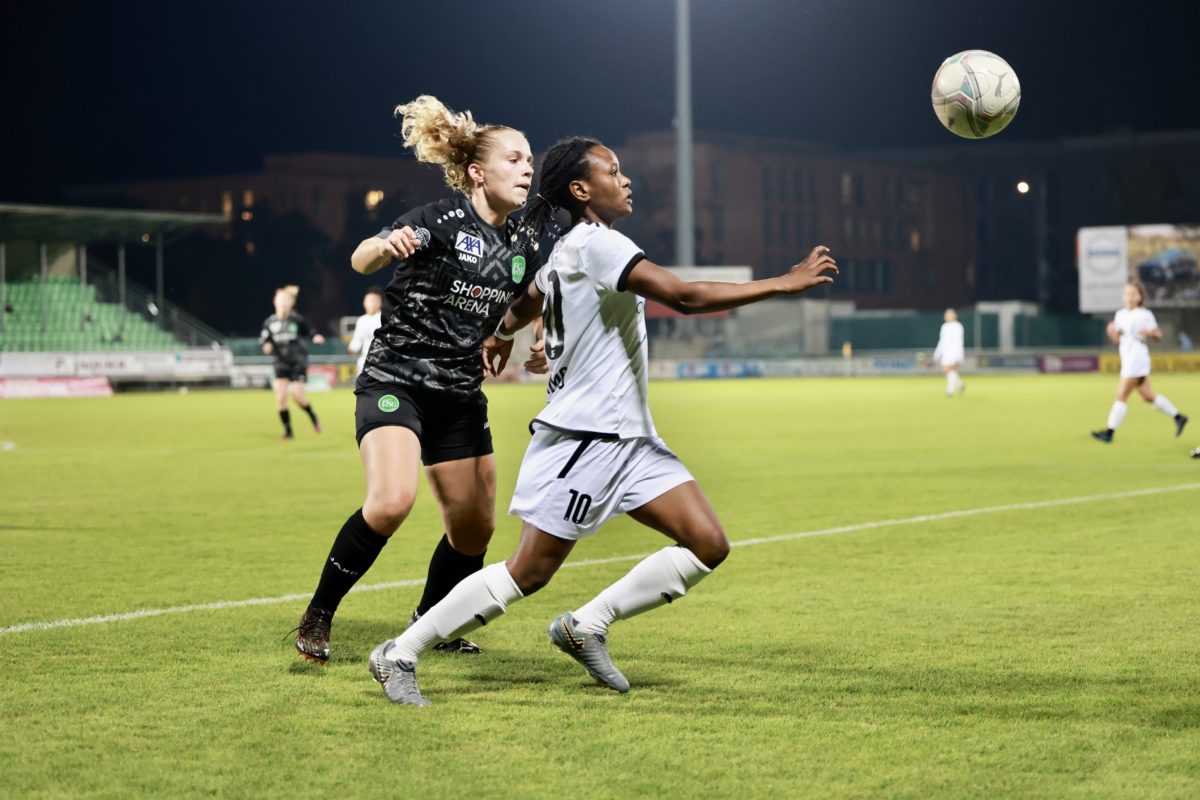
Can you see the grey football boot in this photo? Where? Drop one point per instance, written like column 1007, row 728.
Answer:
column 397, row 677
column 589, row 649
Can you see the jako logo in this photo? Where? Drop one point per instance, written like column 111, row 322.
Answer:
column 468, row 244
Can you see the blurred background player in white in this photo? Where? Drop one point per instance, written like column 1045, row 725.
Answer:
column 949, row 352
column 595, row 453
column 283, row 335
column 366, row 325
column 1131, row 327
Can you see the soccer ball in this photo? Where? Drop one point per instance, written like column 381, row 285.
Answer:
column 975, row 94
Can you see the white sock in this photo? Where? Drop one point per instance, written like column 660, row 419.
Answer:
column 1116, row 415
column 657, row 579
column 1166, row 406
column 952, row 381
column 477, row 600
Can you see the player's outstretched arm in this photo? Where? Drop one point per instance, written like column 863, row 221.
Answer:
column 373, row 254
column 697, row 297
column 524, row 310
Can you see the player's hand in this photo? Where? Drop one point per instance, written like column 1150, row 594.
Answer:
column 400, row 244
column 1111, row 329
column 267, row 348
column 537, row 362
column 810, row 272
column 318, row 339
column 495, row 355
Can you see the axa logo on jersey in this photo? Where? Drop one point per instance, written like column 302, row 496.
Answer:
column 470, row 248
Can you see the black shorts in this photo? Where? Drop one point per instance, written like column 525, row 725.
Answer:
column 292, row 370
column 449, row 428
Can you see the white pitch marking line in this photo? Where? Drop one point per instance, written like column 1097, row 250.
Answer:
column 376, row 587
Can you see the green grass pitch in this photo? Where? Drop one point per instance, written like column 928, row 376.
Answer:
column 1042, row 651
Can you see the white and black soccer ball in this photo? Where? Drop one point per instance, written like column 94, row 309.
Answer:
column 975, row 94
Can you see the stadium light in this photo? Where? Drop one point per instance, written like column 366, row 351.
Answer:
column 1022, row 187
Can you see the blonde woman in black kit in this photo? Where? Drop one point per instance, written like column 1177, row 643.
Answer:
column 458, row 265
column 283, row 335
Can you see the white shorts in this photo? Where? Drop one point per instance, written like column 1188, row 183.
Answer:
column 1137, row 366
column 569, row 487
column 951, row 357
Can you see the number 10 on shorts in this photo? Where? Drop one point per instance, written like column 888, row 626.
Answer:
column 578, row 507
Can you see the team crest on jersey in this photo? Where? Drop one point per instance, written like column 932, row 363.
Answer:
column 518, row 268
column 470, row 248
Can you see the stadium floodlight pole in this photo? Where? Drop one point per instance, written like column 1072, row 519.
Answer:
column 121, row 286
column 45, row 277
column 685, row 223
column 158, row 280
column 81, row 256
column 121, row 276
column 3, row 284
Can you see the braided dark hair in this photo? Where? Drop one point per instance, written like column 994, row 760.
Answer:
column 565, row 161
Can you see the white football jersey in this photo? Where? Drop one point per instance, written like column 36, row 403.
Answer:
column 950, row 344
column 1130, row 323
column 595, row 335
column 364, row 331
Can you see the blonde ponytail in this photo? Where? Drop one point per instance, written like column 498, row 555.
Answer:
column 450, row 139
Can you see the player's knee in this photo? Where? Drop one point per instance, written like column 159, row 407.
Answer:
column 386, row 514
column 711, row 547
column 530, row 578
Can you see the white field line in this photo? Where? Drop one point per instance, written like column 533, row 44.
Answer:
column 376, row 587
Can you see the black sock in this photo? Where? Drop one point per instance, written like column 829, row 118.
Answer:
column 285, row 417
column 353, row 552
column 311, row 414
column 446, row 569
column 1111, row 431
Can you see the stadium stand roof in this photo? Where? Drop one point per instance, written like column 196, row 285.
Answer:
column 34, row 223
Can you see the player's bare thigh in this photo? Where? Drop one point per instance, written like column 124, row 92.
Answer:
column 538, row 557
column 281, row 393
column 391, row 458
column 465, row 490
column 299, row 392
column 685, row 515
column 1125, row 387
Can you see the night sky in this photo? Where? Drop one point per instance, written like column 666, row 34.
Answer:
column 101, row 92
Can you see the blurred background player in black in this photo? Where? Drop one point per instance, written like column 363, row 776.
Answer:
column 283, row 335
column 458, row 265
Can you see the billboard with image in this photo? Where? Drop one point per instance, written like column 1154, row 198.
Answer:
column 1164, row 258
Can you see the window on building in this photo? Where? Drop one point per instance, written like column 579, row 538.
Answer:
column 227, row 205
column 860, row 191
column 847, row 188
column 248, row 198
column 914, row 239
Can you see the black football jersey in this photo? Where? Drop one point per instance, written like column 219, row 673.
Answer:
column 287, row 337
column 447, row 298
